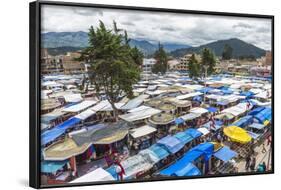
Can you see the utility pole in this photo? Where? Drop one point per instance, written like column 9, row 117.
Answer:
column 205, row 67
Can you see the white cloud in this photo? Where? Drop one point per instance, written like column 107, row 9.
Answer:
column 188, row 29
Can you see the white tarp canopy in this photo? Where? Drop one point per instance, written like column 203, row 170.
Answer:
column 139, row 115
column 100, row 105
column 189, row 95
column 139, row 109
column 149, row 155
column 73, row 97
column 135, row 164
column 203, row 130
column 96, row 175
column 255, row 90
column 155, row 92
column 198, row 110
column 108, row 106
column 237, row 109
column 142, row 131
column 259, row 103
column 133, row 103
column 80, row 106
column 190, row 116
column 85, row 114
column 264, row 95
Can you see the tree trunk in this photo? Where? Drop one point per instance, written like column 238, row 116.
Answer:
column 115, row 110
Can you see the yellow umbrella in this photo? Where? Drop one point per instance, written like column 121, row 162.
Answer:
column 237, row 134
column 266, row 122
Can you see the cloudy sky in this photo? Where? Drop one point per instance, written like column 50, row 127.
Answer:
column 188, row 29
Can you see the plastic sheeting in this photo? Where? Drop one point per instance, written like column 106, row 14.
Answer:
column 52, row 166
column 136, row 164
column 244, row 121
column 159, row 151
column 179, row 121
column 58, row 130
column 171, row 143
column 139, row 115
column 225, row 154
column 193, row 132
column 98, row 174
column 256, row 126
column 134, row 103
column 189, row 170
column 256, row 111
column 87, row 135
column 263, row 115
column 142, row 131
column 190, row 95
column 183, row 137
column 81, row 106
column 198, row 110
column 190, row 116
column 204, row 149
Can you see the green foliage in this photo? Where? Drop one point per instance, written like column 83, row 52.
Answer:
column 161, row 58
column 137, row 56
column 208, row 60
column 193, row 67
column 113, row 68
column 227, row 52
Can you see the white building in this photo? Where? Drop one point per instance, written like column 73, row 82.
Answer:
column 147, row 65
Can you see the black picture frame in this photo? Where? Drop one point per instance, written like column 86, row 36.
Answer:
column 34, row 96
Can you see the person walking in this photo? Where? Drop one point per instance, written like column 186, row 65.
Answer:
column 248, row 161
column 253, row 164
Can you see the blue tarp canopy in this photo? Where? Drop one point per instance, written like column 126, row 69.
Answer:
column 205, row 89
column 243, row 121
column 159, row 151
column 247, row 94
column 225, row 154
column 204, row 149
column 222, row 103
column 58, row 130
column 212, row 109
column 197, row 98
column 263, row 115
column 172, row 144
column 226, row 91
column 253, row 135
column 188, row 170
column 193, row 132
column 112, row 171
column 256, row 126
column 183, row 137
column 52, row 166
column 179, row 121
column 256, row 111
column 218, row 125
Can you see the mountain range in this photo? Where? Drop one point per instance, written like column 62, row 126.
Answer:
column 239, row 49
column 58, row 41
column 62, row 42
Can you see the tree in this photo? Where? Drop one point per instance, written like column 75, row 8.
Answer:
column 208, row 61
column 227, row 52
column 193, row 67
column 137, row 56
column 113, row 70
column 161, row 60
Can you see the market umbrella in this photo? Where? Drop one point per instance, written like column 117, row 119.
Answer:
column 237, row 134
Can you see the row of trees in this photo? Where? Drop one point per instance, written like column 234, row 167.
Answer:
column 206, row 66
column 114, row 65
